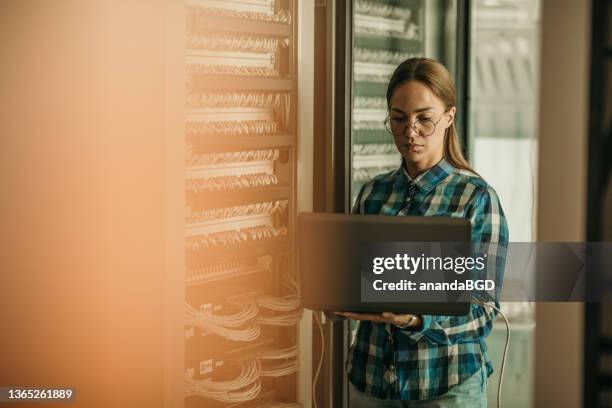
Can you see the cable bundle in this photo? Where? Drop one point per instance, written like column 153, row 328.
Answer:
column 230, row 157
column 374, row 149
column 237, row 326
column 280, row 304
column 362, row 174
column 278, row 354
column 408, row 34
column 248, row 310
column 368, row 125
column 232, row 70
column 363, row 102
column 382, row 56
column 244, row 43
column 280, row 369
column 223, row 128
column 285, row 319
column 382, row 10
column 234, row 237
column 378, row 78
column 233, row 99
column 245, row 387
column 264, row 232
column 282, row 16
column 248, row 333
column 231, row 182
column 269, row 207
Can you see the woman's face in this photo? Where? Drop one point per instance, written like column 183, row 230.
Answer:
column 412, row 101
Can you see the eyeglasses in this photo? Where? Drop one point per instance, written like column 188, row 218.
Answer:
column 397, row 126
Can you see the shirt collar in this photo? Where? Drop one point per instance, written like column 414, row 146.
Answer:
column 427, row 180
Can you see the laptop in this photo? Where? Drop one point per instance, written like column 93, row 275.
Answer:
column 330, row 258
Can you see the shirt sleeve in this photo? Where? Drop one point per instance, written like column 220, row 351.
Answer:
column 489, row 236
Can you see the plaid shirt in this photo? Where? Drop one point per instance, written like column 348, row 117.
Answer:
column 390, row 362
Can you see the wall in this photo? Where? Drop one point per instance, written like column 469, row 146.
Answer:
column 81, row 169
column 562, row 190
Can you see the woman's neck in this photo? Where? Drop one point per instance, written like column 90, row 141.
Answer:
column 414, row 169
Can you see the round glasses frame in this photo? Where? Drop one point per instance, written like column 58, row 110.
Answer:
column 420, row 126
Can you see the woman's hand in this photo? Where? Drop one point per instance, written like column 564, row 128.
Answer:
column 403, row 320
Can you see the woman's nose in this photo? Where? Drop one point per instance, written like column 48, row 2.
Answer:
column 410, row 131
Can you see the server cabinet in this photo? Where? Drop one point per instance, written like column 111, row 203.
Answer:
column 232, row 303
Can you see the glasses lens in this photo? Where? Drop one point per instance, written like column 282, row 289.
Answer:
column 425, row 126
column 397, row 125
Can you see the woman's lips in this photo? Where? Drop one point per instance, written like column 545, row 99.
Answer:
column 413, row 147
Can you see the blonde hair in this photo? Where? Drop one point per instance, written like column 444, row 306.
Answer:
column 437, row 78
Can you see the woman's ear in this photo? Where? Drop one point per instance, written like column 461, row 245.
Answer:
column 450, row 115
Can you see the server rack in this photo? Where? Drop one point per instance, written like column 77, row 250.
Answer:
column 232, row 306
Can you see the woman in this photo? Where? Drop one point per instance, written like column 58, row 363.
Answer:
column 420, row 360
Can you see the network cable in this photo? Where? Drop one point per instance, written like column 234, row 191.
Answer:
column 285, row 319
column 280, row 304
column 503, row 365
column 245, row 387
column 237, row 327
column 318, row 371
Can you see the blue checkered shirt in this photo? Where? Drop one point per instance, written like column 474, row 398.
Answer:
column 390, row 362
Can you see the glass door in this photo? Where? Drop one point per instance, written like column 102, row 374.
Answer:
column 385, row 33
